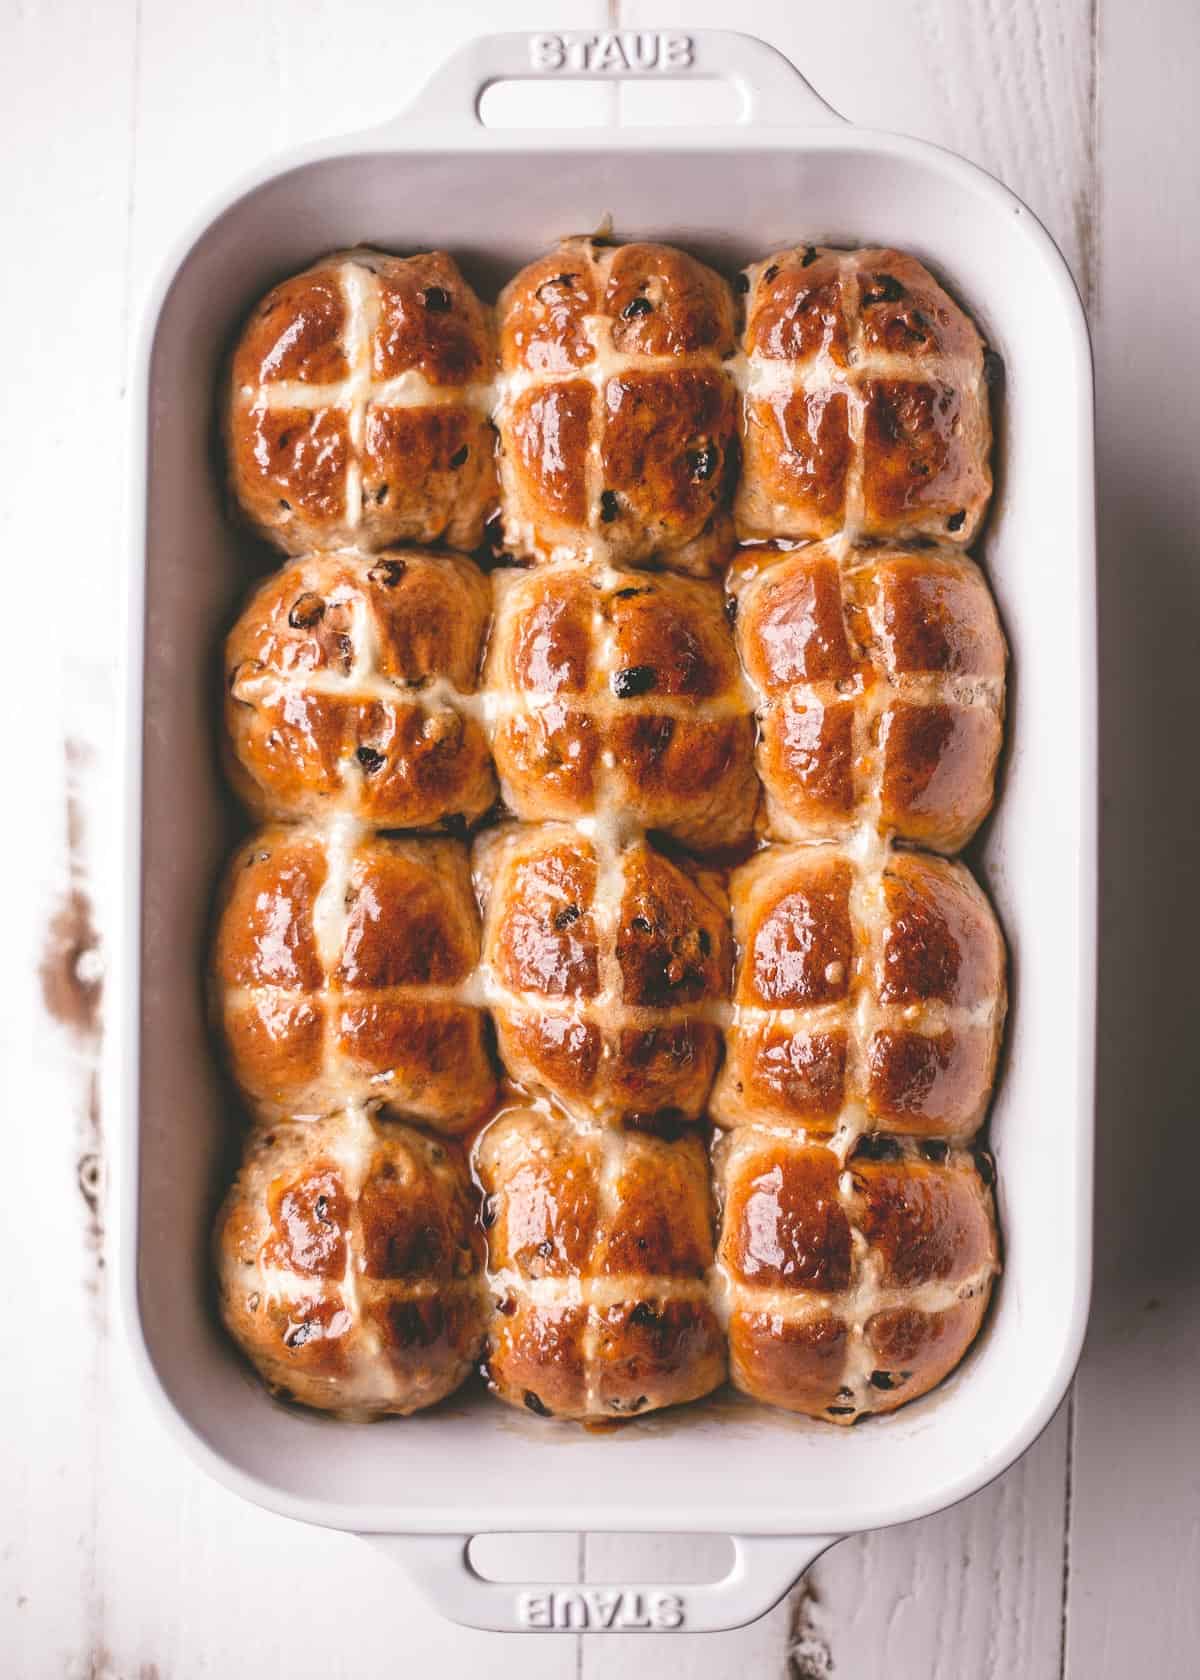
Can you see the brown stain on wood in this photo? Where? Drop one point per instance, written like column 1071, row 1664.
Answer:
column 72, row 984
column 89, row 1176
column 72, row 987
column 71, row 975
column 1085, row 201
column 99, row 1665
column 810, row 1654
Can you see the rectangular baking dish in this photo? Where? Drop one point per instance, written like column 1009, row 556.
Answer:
column 784, row 1486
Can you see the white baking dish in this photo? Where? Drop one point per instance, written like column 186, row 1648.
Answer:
column 790, row 170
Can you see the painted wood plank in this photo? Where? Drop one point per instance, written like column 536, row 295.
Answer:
column 61, row 404
column 976, row 1590
column 1008, row 83
column 1005, row 83
column 120, row 1560
column 172, row 1581
column 1135, row 1508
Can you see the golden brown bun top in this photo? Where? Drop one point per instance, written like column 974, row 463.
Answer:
column 660, row 301
column 601, row 962
column 622, row 691
column 866, row 405
column 869, row 995
column 429, row 321
column 791, row 1211
column 852, row 1287
column 552, row 932
column 403, row 615
column 357, row 410
column 809, row 301
column 343, row 973
column 662, row 636
column 316, row 1197
column 348, row 684
column 880, row 681
column 408, row 918
column 599, row 1247
column 811, row 616
column 933, row 934
column 569, row 1204
column 349, row 1264
column 616, row 412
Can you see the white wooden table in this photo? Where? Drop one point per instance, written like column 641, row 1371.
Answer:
column 117, row 1558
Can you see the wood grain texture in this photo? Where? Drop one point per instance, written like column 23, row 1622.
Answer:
column 1135, row 1509
column 62, row 392
column 976, row 1590
column 1007, row 83
column 118, row 1560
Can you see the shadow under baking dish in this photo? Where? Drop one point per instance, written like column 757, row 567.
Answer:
column 722, row 1464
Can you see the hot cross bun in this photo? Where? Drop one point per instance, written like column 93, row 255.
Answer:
column 865, row 407
column 850, row 1288
column 616, row 412
column 349, row 689
column 869, row 994
column 879, row 675
column 599, row 1243
column 620, row 690
column 348, row 1265
column 603, row 962
column 358, row 404
column 343, row 971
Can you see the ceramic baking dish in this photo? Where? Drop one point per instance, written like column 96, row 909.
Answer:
column 789, row 169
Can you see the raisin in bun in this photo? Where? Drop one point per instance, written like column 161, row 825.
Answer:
column 850, row 1288
column 358, row 403
column 343, row 971
column 879, row 677
column 866, row 403
column 617, row 689
column 350, row 690
column 347, row 1265
column 603, row 963
column 616, row 412
column 869, row 995
column 599, row 1243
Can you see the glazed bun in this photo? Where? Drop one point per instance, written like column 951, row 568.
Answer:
column 343, row 972
column 850, row 1289
column 350, row 690
column 879, row 676
column 865, row 406
column 869, row 995
column 347, row 1265
column 599, row 1244
column 621, row 690
column 358, row 404
column 603, row 962
column 616, row 412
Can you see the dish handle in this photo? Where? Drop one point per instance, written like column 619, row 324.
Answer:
column 771, row 89
column 764, row 1567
